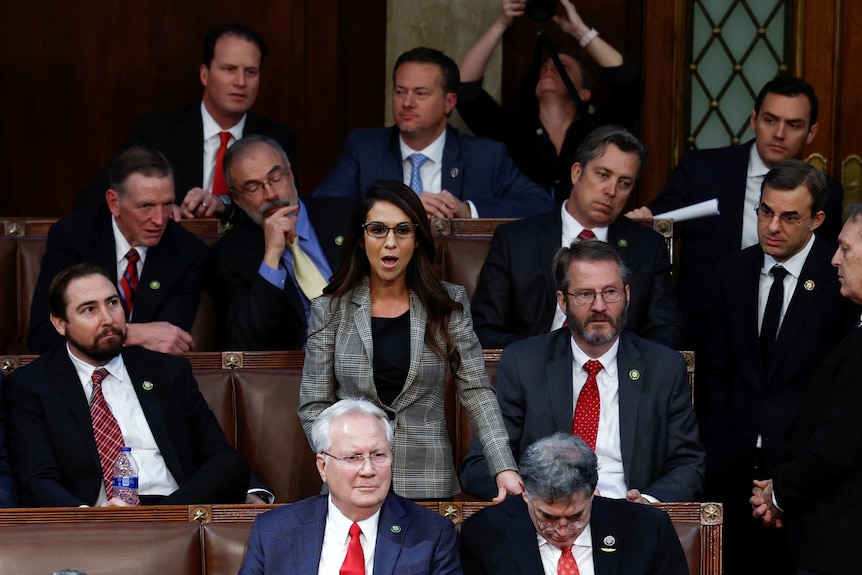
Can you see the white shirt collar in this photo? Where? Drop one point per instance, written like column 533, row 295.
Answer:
column 122, row 245
column 211, row 127
column 434, row 150
column 572, row 227
column 756, row 167
column 341, row 524
column 115, row 367
column 793, row 264
column 608, row 359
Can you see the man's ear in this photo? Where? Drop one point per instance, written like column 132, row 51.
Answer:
column 59, row 324
column 204, row 75
column 113, row 200
column 321, row 466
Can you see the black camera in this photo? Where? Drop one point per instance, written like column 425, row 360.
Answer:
column 541, row 10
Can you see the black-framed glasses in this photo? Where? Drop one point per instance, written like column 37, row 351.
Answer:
column 403, row 231
column 377, row 459
column 252, row 187
column 766, row 213
column 587, row 297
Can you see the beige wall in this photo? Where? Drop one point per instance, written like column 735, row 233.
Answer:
column 448, row 25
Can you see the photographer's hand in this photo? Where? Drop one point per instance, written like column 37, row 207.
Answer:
column 572, row 24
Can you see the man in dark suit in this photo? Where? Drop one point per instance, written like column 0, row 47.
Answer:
column 814, row 490
column 576, row 529
column 254, row 265
column 456, row 176
column 783, row 120
column 646, row 435
column 360, row 526
column 516, row 294
column 71, row 409
column 131, row 234
column 756, row 376
column 8, row 489
column 192, row 136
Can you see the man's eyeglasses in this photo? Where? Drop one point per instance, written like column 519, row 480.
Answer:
column 765, row 213
column 402, row 231
column 252, row 187
column 560, row 524
column 377, row 459
column 587, row 297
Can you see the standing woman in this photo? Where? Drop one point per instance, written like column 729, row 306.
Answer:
column 389, row 330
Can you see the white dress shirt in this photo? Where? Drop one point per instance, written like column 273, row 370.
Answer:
column 753, row 180
column 582, row 551
column 212, row 142
column 793, row 265
column 336, row 536
column 117, row 388
column 121, row 249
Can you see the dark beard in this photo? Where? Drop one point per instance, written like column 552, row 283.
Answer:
column 579, row 329
column 100, row 351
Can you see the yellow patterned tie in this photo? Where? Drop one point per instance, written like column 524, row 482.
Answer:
column 309, row 278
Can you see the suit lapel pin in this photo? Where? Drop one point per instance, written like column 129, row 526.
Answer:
column 609, row 543
column 395, row 529
column 147, row 385
column 622, row 242
column 808, row 285
column 634, row 375
column 453, row 173
column 339, row 240
column 155, row 284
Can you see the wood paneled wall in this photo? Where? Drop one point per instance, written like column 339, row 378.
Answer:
column 76, row 76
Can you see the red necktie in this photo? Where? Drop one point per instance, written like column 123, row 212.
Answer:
column 586, row 235
column 586, row 421
column 129, row 281
column 109, row 438
column 354, row 562
column 567, row 564
column 219, row 185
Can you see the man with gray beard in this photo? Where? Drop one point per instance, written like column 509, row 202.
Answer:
column 627, row 397
column 268, row 268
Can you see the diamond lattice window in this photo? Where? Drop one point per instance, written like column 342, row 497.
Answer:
column 736, row 47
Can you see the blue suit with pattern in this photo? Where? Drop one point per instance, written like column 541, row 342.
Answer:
column 410, row 539
column 474, row 169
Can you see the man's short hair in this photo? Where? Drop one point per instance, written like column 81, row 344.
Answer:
column 790, row 174
column 582, row 251
column 138, row 160
column 790, row 86
column 321, row 439
column 559, row 466
column 423, row 55
column 597, row 141
column 58, row 290
column 853, row 212
column 240, row 146
column 231, row 29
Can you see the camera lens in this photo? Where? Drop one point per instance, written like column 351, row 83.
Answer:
column 541, row 10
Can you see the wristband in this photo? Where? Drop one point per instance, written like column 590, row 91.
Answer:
column 589, row 37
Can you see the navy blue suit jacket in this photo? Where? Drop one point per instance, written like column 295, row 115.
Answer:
column 661, row 450
column 171, row 280
column 410, row 539
column 639, row 539
column 703, row 175
column 53, row 448
column 179, row 135
column 8, row 489
column 516, row 294
column 474, row 169
column 260, row 316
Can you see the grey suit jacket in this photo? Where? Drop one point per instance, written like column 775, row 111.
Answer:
column 661, row 451
column 339, row 363
column 410, row 539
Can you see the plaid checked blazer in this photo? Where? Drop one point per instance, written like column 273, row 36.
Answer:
column 339, row 363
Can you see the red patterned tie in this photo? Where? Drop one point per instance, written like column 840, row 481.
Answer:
column 109, row 438
column 219, row 185
column 354, row 562
column 586, row 235
column 567, row 564
column 129, row 281
column 586, row 421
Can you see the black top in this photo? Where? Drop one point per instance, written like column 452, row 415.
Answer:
column 391, row 336
column 529, row 144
